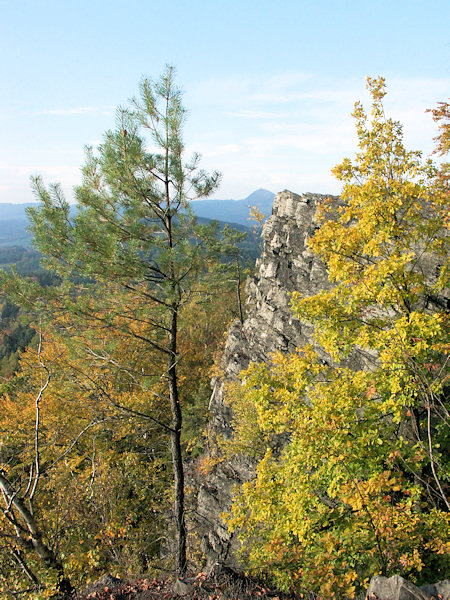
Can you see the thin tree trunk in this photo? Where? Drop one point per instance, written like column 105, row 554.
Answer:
column 177, row 458
column 44, row 552
column 20, row 560
column 177, row 418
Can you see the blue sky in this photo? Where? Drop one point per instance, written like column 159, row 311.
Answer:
column 269, row 84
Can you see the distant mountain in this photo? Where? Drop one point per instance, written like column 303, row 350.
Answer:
column 13, row 232
column 13, row 225
column 236, row 211
column 13, row 211
column 14, row 220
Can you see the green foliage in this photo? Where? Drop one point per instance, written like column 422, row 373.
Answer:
column 130, row 264
column 231, row 269
column 26, row 260
column 14, row 336
column 11, row 254
column 361, row 486
column 14, row 330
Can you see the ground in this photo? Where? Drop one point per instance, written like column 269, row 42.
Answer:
column 225, row 586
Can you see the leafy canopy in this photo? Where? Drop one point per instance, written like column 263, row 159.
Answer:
column 361, row 485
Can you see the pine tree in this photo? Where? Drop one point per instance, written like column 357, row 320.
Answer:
column 132, row 255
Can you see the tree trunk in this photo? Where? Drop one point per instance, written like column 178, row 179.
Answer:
column 177, row 458
column 45, row 553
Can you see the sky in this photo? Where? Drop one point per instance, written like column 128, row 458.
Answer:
column 269, row 84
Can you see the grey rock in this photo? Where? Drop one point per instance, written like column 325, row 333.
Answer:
column 441, row 589
column 108, row 581
column 394, row 588
column 182, row 588
column 429, row 589
column 286, row 265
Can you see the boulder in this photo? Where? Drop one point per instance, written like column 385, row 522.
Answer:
column 394, row 588
column 182, row 588
column 440, row 590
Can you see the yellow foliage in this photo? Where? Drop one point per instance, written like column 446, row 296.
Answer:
column 357, row 483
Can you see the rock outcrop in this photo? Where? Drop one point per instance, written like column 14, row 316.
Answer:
column 285, row 265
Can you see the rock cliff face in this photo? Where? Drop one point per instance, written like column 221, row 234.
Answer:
column 285, row 265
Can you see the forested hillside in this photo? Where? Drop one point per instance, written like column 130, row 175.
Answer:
column 16, row 333
column 14, row 328
column 14, row 221
column 103, row 421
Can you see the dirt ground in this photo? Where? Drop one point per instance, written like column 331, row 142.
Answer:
column 226, row 586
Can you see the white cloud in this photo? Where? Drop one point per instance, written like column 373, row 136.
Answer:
column 289, row 131
column 318, row 141
column 225, row 150
column 15, row 185
column 283, row 131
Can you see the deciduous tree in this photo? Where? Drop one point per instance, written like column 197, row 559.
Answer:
column 362, row 483
column 83, row 452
